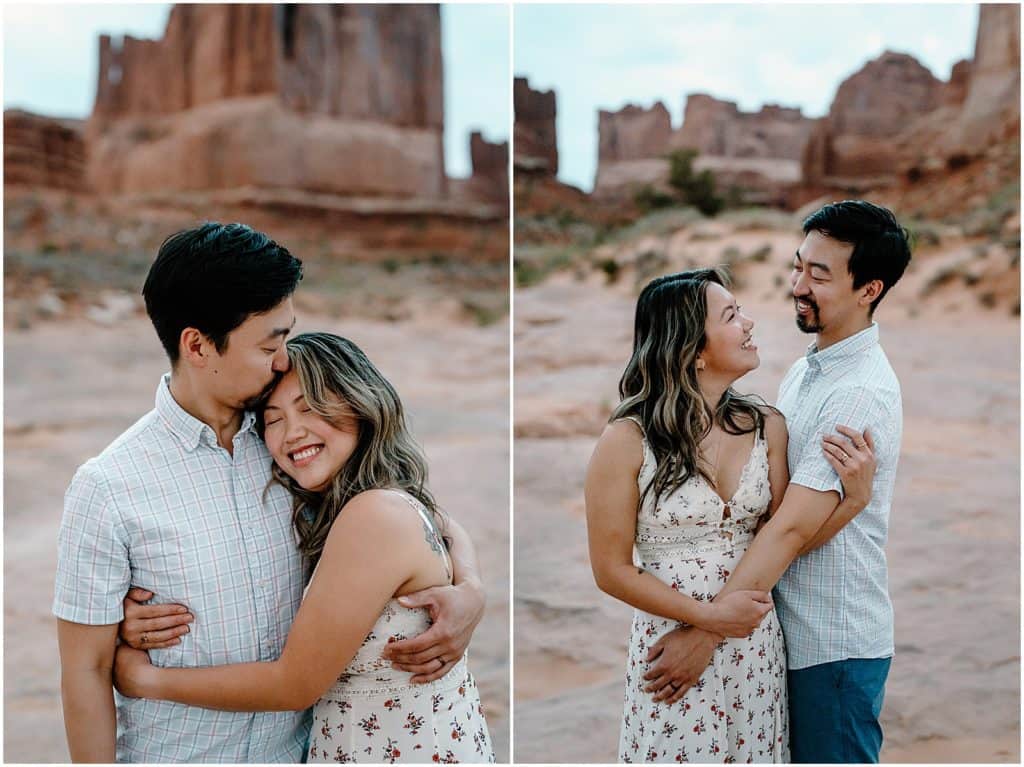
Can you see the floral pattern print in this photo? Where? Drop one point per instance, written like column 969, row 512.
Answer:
column 374, row 714
column 736, row 712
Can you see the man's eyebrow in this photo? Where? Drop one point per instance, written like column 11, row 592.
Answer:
column 813, row 264
column 280, row 331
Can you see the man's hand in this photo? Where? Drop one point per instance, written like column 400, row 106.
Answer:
column 677, row 661
column 455, row 611
column 738, row 613
column 152, row 627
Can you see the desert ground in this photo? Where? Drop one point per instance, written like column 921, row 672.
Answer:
column 74, row 383
column 951, row 331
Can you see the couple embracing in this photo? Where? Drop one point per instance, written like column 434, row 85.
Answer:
column 701, row 500
column 308, row 598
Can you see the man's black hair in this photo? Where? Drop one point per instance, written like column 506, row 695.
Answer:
column 213, row 278
column 881, row 247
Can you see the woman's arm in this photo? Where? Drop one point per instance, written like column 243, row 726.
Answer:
column 612, row 500
column 455, row 611
column 857, row 472
column 375, row 547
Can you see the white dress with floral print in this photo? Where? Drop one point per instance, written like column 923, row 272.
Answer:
column 373, row 714
column 736, row 712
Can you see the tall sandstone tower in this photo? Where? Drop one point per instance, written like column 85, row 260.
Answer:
column 340, row 99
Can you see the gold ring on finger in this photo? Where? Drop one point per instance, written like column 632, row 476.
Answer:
column 145, row 639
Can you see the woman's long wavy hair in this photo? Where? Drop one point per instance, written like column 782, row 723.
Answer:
column 340, row 384
column 659, row 385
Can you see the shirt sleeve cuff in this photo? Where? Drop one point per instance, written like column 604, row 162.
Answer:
column 96, row 616
column 818, row 483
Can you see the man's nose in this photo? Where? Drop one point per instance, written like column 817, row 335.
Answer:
column 799, row 283
column 281, row 363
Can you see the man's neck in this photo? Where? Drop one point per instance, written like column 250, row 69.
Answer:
column 825, row 339
column 225, row 421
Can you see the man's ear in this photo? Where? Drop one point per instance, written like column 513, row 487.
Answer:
column 869, row 293
column 194, row 348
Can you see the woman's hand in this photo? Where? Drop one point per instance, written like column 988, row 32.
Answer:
column 853, row 458
column 132, row 672
column 737, row 613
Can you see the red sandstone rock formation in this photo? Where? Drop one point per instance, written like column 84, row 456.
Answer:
column 349, row 98
column 757, row 152
column 854, row 144
column 536, row 144
column 951, row 157
column 991, row 108
column 489, row 182
column 633, row 133
column 955, row 91
column 43, row 151
column 715, row 127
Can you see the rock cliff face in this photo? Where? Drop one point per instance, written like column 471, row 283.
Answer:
column 43, row 152
column 536, row 142
column 633, row 133
column 489, row 181
column 350, row 98
column 853, row 145
column 757, row 151
column 894, row 124
column 715, row 127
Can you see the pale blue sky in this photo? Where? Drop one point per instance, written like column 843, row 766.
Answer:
column 605, row 56
column 51, row 51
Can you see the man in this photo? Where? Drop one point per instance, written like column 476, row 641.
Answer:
column 181, row 505
column 833, row 601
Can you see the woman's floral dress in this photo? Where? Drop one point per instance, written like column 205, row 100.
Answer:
column 373, row 714
column 736, row 712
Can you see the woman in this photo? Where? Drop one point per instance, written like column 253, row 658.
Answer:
column 371, row 530
column 685, row 472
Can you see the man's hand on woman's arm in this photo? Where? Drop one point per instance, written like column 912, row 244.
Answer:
column 87, row 691
column 455, row 611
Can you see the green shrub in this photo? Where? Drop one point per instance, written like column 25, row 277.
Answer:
column 696, row 189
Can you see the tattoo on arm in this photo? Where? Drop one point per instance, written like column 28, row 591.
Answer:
column 433, row 539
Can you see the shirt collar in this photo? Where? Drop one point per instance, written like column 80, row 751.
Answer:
column 834, row 355
column 189, row 429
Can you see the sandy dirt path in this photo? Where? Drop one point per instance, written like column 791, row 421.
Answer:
column 954, row 555
column 70, row 388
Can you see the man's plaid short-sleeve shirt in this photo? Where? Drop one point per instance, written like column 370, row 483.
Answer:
column 833, row 602
column 166, row 508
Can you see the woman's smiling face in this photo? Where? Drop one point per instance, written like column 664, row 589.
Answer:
column 309, row 448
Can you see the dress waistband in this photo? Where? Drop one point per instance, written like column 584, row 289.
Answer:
column 715, row 539
column 370, row 684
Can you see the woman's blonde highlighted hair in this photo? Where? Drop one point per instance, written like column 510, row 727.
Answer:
column 341, row 385
column 659, row 386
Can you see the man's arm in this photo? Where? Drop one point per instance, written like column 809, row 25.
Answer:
column 87, row 691
column 455, row 610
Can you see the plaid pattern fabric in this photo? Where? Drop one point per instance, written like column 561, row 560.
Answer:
column 164, row 507
column 834, row 602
